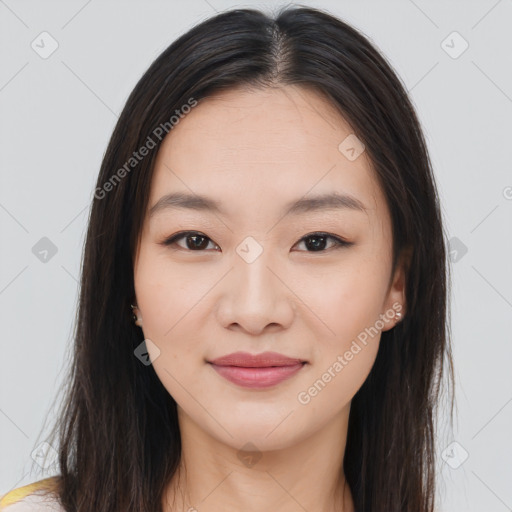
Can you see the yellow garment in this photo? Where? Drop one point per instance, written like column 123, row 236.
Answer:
column 21, row 492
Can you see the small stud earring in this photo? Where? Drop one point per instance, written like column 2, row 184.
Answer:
column 134, row 316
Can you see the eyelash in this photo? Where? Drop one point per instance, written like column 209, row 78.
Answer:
column 339, row 242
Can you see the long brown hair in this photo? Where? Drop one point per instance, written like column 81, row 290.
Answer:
column 118, row 436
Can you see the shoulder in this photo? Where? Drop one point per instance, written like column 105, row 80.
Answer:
column 34, row 497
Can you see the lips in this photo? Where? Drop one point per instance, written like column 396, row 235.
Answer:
column 257, row 371
column 263, row 360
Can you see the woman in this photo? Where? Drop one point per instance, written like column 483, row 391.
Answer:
column 267, row 212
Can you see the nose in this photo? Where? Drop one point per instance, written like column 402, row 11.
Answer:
column 255, row 297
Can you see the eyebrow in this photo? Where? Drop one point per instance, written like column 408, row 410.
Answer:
column 324, row 202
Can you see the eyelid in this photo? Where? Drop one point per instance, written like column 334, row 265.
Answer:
column 338, row 239
column 182, row 234
column 340, row 242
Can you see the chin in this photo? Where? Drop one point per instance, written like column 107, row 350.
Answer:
column 265, row 435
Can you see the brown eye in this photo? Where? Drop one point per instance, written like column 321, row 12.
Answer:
column 194, row 241
column 317, row 242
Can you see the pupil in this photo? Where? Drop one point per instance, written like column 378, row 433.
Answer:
column 197, row 245
column 316, row 244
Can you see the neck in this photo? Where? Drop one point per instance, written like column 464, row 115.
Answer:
column 307, row 475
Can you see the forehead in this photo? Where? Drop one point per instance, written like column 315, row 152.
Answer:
column 263, row 146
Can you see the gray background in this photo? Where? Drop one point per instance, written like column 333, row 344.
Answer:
column 57, row 115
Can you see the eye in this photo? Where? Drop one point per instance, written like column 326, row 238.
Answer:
column 317, row 242
column 194, row 241
column 314, row 242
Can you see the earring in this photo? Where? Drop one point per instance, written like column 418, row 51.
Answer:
column 134, row 316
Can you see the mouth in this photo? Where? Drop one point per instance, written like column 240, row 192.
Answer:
column 257, row 371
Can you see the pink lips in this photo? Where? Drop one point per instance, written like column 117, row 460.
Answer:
column 256, row 371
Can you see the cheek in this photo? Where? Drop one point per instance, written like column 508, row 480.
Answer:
column 347, row 300
column 173, row 300
column 335, row 380
column 161, row 296
column 349, row 307
column 160, row 288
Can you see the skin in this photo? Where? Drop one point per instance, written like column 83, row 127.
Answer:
column 254, row 151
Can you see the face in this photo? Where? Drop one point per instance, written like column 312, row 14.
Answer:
column 311, row 282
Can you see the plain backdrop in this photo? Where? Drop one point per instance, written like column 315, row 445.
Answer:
column 58, row 112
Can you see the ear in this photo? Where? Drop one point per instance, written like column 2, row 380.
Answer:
column 137, row 316
column 395, row 301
